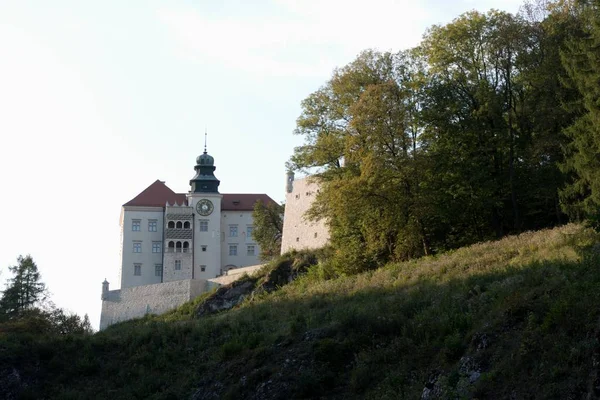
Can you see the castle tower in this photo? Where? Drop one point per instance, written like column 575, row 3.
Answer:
column 205, row 202
column 179, row 242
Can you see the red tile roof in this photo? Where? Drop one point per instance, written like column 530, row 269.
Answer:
column 243, row 201
column 158, row 194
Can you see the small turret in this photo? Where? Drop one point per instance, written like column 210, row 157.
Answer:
column 289, row 182
column 105, row 289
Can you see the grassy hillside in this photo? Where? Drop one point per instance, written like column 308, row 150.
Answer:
column 515, row 319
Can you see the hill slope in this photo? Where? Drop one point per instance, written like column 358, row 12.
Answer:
column 517, row 318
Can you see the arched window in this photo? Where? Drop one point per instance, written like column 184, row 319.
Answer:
column 179, row 225
column 171, row 247
column 171, row 224
column 186, row 247
column 178, row 247
column 186, row 225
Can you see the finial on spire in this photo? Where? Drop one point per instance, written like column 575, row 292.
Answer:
column 205, row 140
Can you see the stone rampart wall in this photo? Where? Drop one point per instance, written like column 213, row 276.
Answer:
column 134, row 302
column 233, row 275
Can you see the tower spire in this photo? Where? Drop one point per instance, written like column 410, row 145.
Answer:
column 204, row 181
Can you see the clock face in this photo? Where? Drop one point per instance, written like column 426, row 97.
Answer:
column 204, row 207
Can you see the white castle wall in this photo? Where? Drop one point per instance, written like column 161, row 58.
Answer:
column 241, row 219
column 146, row 258
column 298, row 232
column 134, row 302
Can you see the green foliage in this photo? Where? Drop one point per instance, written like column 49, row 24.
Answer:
column 581, row 59
column 456, row 141
column 268, row 227
column 23, row 291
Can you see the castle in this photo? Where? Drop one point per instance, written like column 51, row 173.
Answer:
column 176, row 246
column 173, row 244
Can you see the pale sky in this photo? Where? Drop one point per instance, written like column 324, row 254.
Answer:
column 100, row 99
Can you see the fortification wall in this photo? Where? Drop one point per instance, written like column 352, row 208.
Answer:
column 134, row 302
column 298, row 232
column 233, row 275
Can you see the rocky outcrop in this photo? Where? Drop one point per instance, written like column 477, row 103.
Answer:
column 227, row 297
column 467, row 373
column 286, row 270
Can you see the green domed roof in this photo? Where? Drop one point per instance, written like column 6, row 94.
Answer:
column 205, row 159
column 205, row 180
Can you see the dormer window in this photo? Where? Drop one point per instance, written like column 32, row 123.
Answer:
column 236, row 202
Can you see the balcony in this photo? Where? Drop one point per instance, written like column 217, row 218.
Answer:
column 180, row 250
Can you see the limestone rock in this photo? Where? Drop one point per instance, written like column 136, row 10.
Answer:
column 227, row 297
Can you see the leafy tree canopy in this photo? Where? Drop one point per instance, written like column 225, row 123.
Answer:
column 455, row 141
column 268, row 228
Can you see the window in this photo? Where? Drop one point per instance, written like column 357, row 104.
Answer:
column 136, row 225
column 297, row 239
column 186, row 225
column 171, row 225
column 249, row 230
column 137, row 269
column 233, row 230
column 137, row 247
column 186, row 247
column 152, row 225
column 203, row 224
column 203, row 268
column 315, row 234
column 203, row 247
column 157, row 269
column 156, row 247
column 251, row 250
column 179, row 225
column 233, row 249
column 177, row 265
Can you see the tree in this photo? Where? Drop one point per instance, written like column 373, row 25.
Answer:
column 581, row 196
column 64, row 323
column 24, row 290
column 268, row 228
column 368, row 115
